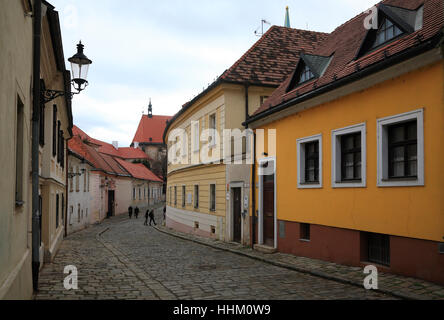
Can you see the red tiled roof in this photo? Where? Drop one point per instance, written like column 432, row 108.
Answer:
column 272, row 57
column 345, row 42
column 138, row 171
column 109, row 149
column 268, row 62
column 98, row 160
column 151, row 130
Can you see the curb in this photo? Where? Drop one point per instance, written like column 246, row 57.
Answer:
column 318, row 274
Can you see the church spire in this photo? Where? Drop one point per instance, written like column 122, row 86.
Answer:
column 150, row 110
column 287, row 18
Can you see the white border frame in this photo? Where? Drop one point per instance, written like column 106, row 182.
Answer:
column 301, row 162
column 261, row 205
column 336, row 168
column 382, row 124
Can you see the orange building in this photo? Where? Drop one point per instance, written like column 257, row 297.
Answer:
column 358, row 156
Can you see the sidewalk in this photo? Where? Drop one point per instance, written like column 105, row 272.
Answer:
column 397, row 286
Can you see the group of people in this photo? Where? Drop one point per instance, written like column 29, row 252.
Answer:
column 149, row 214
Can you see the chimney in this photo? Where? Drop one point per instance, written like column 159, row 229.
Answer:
column 116, row 144
column 150, row 110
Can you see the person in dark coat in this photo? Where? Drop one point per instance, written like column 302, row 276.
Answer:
column 130, row 212
column 147, row 214
column 151, row 215
column 164, row 213
column 136, row 212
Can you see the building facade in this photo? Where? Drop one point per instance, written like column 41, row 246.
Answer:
column 208, row 170
column 55, row 123
column 353, row 174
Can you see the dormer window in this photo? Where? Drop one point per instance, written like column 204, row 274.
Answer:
column 394, row 22
column 309, row 67
column 306, row 75
column 386, row 32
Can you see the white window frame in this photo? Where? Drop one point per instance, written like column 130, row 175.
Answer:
column 195, row 132
column 212, row 144
column 336, row 167
column 301, row 162
column 382, row 125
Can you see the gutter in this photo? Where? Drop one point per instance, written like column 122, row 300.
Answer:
column 37, row 32
column 405, row 55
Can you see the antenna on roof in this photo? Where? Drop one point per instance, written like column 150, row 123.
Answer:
column 256, row 32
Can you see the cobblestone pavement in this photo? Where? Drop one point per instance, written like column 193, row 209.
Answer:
column 123, row 259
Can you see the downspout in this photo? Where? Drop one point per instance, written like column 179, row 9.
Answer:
column 66, row 188
column 37, row 31
column 253, row 178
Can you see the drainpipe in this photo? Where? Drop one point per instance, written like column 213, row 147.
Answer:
column 37, row 30
column 253, row 194
column 66, row 189
column 253, row 178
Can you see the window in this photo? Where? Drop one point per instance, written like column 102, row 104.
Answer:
column 305, row 231
column 19, row 162
column 134, row 193
column 78, row 213
column 77, row 179
column 84, row 182
column 71, row 182
column 87, row 172
column 310, row 162
column 306, row 75
column 175, row 196
column 378, row 246
column 349, row 157
column 59, row 151
column 196, row 136
column 212, row 197
column 71, row 212
column 401, row 150
column 196, row 197
column 63, row 207
column 57, row 211
column 263, row 99
column 183, row 196
column 212, row 126
column 386, row 32
column 42, row 125
column 140, row 194
column 54, row 130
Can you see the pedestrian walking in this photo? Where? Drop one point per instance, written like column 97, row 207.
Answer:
column 164, row 213
column 130, row 212
column 147, row 214
column 136, row 212
column 151, row 215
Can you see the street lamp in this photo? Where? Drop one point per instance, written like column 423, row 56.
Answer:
column 79, row 69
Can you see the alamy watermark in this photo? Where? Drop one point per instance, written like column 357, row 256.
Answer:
column 71, row 281
column 371, row 281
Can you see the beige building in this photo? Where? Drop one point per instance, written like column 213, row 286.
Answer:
column 208, row 191
column 16, row 109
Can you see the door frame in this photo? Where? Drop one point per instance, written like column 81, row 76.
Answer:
column 234, row 185
column 261, row 205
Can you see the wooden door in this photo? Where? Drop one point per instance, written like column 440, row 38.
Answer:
column 268, row 205
column 237, row 219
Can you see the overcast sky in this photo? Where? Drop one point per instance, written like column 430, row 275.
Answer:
column 170, row 50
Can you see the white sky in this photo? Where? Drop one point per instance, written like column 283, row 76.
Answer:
column 169, row 50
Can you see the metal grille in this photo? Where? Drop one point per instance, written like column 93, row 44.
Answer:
column 441, row 248
column 379, row 248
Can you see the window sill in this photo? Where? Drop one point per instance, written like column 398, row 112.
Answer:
column 310, row 185
column 304, row 240
column 350, row 184
column 401, row 182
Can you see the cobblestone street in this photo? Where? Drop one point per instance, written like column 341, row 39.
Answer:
column 123, row 259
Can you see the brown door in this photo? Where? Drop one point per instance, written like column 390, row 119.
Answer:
column 237, row 220
column 268, row 205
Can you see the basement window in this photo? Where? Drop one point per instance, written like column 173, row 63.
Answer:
column 305, row 232
column 378, row 246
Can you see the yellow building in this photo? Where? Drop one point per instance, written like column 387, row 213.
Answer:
column 355, row 174
column 207, row 195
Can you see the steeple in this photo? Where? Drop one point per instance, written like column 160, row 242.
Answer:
column 150, row 110
column 287, row 18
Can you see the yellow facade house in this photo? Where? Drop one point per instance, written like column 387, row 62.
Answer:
column 354, row 174
column 205, row 194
